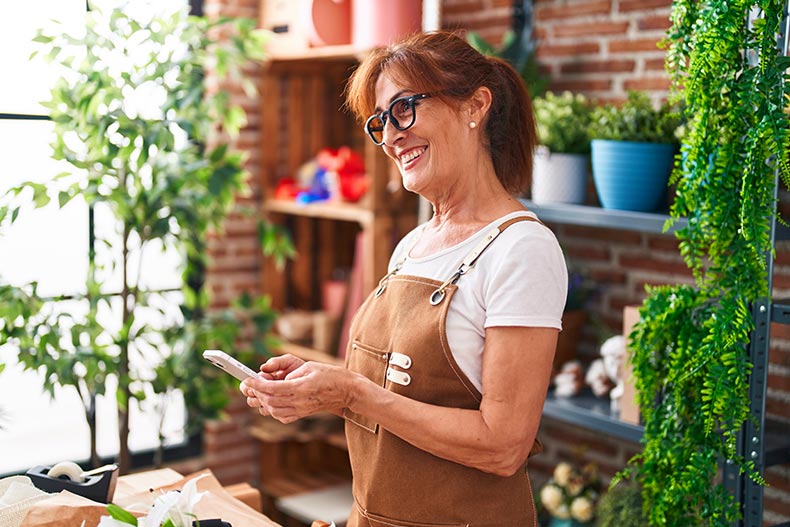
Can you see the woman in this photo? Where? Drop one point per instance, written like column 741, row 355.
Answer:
column 449, row 359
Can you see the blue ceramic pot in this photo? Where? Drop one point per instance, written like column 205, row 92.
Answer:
column 556, row 522
column 630, row 175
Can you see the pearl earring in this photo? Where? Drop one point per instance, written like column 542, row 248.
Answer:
column 472, row 124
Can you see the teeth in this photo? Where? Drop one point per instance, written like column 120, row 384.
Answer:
column 412, row 155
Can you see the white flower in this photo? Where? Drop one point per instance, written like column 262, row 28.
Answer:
column 563, row 473
column 551, row 497
column 109, row 521
column 582, row 509
column 562, row 512
column 177, row 506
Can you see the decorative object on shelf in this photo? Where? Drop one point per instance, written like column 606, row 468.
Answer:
column 629, row 404
column 561, row 164
column 286, row 19
column 580, row 290
column 382, row 22
column 569, row 380
column 329, row 22
column 633, row 148
column 605, row 375
column 570, row 496
column 690, row 348
column 334, row 174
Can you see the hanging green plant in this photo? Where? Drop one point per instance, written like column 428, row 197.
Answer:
column 689, row 351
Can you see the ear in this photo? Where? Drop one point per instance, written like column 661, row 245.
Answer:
column 479, row 104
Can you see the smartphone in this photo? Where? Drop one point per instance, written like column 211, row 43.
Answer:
column 225, row 362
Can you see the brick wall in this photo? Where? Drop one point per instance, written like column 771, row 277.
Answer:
column 598, row 47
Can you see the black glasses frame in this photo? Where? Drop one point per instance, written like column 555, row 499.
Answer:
column 387, row 116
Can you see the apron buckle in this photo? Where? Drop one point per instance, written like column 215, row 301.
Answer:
column 437, row 296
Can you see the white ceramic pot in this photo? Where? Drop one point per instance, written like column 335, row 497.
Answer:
column 559, row 178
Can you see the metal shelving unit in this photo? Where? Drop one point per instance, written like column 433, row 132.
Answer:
column 764, row 442
column 590, row 412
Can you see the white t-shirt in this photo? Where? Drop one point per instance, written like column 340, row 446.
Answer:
column 520, row 280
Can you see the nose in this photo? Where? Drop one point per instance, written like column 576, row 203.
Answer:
column 391, row 132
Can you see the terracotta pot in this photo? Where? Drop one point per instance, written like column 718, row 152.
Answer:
column 382, row 22
column 568, row 341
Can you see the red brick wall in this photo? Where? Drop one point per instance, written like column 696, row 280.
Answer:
column 598, row 47
column 234, row 267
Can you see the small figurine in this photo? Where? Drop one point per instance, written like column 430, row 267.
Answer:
column 570, row 380
column 605, row 374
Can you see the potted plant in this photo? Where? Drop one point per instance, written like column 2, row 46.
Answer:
column 570, row 495
column 633, row 147
column 145, row 142
column 621, row 506
column 560, row 170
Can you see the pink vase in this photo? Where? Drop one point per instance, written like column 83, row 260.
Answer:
column 329, row 22
column 382, row 22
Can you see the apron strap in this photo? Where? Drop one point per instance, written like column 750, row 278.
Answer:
column 469, row 262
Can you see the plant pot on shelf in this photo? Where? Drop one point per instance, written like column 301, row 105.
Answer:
column 566, row 522
column 559, row 178
column 631, row 175
column 568, row 340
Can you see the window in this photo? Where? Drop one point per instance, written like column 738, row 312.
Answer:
column 50, row 246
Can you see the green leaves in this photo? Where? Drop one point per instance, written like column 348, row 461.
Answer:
column 634, row 120
column 133, row 117
column 563, row 121
column 689, row 350
column 121, row 515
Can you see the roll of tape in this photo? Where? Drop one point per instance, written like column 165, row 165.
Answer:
column 66, row 469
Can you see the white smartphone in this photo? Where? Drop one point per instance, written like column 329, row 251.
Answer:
column 225, row 362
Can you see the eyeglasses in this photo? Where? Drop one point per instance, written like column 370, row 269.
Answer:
column 401, row 114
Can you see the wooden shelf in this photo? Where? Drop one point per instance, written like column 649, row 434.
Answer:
column 343, row 52
column 325, row 210
column 305, row 353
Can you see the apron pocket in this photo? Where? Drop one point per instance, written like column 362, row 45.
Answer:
column 372, row 363
column 382, row 521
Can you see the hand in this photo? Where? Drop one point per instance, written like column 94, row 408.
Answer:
column 312, row 387
column 276, row 368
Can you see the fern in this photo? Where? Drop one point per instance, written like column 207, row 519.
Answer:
column 689, row 350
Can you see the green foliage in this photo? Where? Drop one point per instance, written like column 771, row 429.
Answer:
column 142, row 133
column 635, row 120
column 518, row 53
column 121, row 515
column 689, row 350
column 563, row 122
column 621, row 506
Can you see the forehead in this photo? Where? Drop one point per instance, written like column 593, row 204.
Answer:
column 386, row 89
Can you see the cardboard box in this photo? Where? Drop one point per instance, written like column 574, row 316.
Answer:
column 629, row 408
column 287, row 19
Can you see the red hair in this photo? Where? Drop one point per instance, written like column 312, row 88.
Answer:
column 446, row 66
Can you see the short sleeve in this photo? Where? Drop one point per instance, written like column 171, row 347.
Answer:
column 526, row 278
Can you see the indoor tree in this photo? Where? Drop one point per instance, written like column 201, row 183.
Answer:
column 689, row 351
column 147, row 141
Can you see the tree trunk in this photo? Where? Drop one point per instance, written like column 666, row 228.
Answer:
column 90, row 416
column 124, row 456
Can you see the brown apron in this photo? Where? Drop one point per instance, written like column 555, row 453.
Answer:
column 398, row 340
